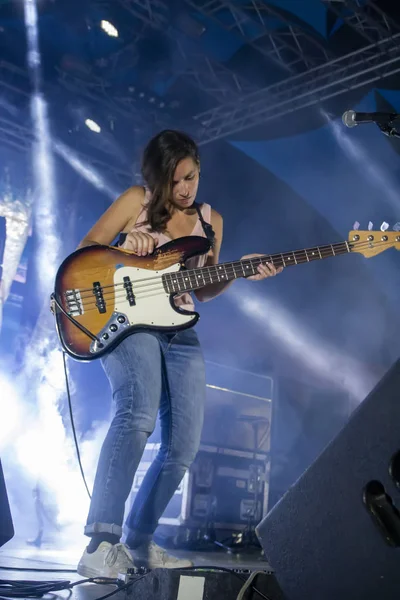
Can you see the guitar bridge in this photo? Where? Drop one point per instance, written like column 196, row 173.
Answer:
column 74, row 303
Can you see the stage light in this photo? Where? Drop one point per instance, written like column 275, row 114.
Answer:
column 93, row 126
column 109, row 28
column 325, row 360
column 88, row 172
column 44, row 212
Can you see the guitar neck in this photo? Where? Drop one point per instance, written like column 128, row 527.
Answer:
column 192, row 279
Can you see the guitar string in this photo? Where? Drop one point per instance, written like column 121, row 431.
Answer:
column 157, row 289
column 269, row 257
column 159, row 285
column 123, row 297
column 280, row 260
column 182, row 276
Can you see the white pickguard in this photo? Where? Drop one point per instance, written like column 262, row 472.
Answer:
column 153, row 305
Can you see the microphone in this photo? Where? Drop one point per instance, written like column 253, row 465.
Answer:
column 352, row 118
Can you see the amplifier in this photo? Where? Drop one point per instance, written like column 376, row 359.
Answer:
column 238, row 410
column 228, row 483
column 224, row 486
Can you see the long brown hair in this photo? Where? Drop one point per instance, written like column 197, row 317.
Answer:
column 160, row 159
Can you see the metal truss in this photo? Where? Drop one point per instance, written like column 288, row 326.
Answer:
column 101, row 93
column 215, row 79
column 292, row 48
column 15, row 83
column 21, row 138
column 355, row 70
column 15, row 135
column 205, row 73
column 365, row 17
column 143, row 121
column 14, row 80
column 152, row 12
column 18, row 136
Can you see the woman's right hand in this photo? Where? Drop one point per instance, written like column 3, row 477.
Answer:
column 140, row 243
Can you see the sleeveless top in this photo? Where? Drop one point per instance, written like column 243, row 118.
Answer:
column 202, row 228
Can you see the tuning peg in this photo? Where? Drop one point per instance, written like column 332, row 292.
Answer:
column 356, row 226
column 370, row 226
column 384, row 226
column 396, row 227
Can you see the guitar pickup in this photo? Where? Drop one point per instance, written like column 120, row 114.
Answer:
column 98, row 293
column 129, row 291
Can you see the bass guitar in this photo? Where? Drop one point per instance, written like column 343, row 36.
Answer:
column 103, row 294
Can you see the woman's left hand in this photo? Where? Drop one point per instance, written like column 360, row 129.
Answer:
column 264, row 269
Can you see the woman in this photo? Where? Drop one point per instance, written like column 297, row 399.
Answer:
column 152, row 372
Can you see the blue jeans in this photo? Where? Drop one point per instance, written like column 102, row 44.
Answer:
column 149, row 372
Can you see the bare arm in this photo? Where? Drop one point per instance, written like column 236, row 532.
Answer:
column 213, row 290
column 115, row 219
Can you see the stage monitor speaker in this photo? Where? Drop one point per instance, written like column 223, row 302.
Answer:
column 336, row 533
column 6, row 524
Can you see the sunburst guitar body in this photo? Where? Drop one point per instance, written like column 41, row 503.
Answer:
column 103, row 294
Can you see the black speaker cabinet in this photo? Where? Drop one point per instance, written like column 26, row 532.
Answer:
column 6, row 524
column 335, row 535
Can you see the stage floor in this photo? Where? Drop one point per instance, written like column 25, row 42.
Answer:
column 15, row 556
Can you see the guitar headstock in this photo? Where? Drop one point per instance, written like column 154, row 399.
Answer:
column 371, row 243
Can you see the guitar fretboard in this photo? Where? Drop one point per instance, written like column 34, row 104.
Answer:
column 192, row 279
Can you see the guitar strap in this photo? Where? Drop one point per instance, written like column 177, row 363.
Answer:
column 207, row 227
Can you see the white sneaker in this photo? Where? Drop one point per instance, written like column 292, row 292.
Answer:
column 152, row 556
column 107, row 561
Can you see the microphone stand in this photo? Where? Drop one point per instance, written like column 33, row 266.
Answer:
column 389, row 128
